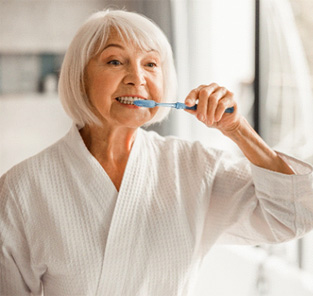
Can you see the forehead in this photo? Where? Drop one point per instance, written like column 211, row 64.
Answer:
column 127, row 40
column 115, row 36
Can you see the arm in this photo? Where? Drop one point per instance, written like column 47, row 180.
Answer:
column 16, row 274
column 246, row 204
column 256, row 150
column 264, row 206
column 213, row 100
column 264, row 202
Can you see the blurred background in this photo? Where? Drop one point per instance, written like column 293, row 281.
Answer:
column 262, row 50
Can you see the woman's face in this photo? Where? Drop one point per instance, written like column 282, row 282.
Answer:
column 118, row 74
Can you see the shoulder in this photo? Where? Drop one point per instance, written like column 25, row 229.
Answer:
column 27, row 171
column 175, row 147
column 153, row 138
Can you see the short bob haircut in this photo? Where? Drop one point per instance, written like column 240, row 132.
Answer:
column 91, row 39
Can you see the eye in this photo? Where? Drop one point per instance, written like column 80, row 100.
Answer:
column 115, row 63
column 151, row 65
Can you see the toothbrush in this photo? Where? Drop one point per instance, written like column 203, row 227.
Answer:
column 178, row 105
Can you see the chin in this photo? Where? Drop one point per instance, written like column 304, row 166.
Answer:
column 132, row 124
column 135, row 122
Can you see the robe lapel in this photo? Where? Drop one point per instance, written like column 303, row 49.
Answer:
column 128, row 217
column 96, row 181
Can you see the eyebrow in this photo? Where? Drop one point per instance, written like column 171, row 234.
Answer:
column 122, row 47
column 114, row 45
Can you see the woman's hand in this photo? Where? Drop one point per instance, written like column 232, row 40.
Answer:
column 213, row 100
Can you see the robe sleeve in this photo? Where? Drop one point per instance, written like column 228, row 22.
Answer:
column 252, row 205
column 16, row 274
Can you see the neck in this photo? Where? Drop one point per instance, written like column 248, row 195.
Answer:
column 112, row 145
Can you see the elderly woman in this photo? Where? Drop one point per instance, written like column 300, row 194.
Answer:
column 111, row 209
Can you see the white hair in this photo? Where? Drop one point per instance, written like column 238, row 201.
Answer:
column 90, row 39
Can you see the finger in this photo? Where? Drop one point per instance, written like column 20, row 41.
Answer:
column 192, row 97
column 223, row 104
column 213, row 102
column 203, row 97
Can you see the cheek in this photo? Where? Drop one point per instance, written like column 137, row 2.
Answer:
column 100, row 88
column 158, row 88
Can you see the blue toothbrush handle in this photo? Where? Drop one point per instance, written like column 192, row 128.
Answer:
column 178, row 105
column 230, row 110
column 183, row 106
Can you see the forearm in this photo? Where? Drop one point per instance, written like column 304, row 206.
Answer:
column 256, row 150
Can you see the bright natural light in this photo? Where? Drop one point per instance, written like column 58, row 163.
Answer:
column 213, row 41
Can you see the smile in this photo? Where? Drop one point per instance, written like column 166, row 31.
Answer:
column 128, row 100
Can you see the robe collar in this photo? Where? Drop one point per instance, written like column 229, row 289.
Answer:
column 77, row 145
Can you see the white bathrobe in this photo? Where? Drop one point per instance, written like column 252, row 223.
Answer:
column 66, row 229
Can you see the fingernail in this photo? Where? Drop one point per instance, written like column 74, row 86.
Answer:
column 189, row 101
column 201, row 117
column 209, row 122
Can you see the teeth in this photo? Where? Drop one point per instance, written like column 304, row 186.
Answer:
column 128, row 100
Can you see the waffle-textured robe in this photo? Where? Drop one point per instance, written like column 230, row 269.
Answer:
column 65, row 228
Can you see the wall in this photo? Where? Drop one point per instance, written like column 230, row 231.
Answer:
column 29, row 123
column 41, row 25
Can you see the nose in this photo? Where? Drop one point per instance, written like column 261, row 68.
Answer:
column 134, row 75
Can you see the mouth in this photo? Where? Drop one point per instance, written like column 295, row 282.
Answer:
column 128, row 100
